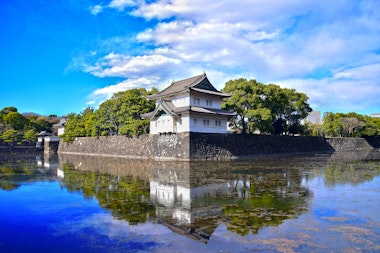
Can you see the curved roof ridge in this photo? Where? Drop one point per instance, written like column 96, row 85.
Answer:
column 197, row 79
column 199, row 83
column 178, row 86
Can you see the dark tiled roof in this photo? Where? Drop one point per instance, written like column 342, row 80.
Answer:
column 191, row 83
column 211, row 92
column 203, row 110
column 166, row 105
column 172, row 110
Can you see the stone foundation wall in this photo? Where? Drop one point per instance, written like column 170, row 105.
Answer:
column 200, row 146
column 221, row 146
column 118, row 146
column 349, row 144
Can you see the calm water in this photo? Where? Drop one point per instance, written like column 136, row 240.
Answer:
column 322, row 203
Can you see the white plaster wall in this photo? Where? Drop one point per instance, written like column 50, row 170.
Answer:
column 183, row 125
column 164, row 194
column 152, row 127
column 163, row 124
column 216, row 102
column 180, row 101
column 183, row 194
column 200, row 127
column 61, row 131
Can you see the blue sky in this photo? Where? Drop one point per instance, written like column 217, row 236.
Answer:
column 61, row 56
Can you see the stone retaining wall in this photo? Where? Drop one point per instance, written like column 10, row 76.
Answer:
column 349, row 144
column 18, row 150
column 221, row 146
column 118, row 146
column 200, row 146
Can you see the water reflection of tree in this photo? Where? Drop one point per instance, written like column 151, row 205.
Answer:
column 349, row 168
column 192, row 198
column 354, row 173
column 14, row 172
column 265, row 200
column 126, row 197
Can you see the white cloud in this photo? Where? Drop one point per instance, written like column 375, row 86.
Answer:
column 119, row 65
column 279, row 40
column 351, row 90
column 122, row 86
column 271, row 40
column 102, row 94
column 113, row 228
column 114, row 4
column 121, row 4
column 365, row 72
column 96, row 9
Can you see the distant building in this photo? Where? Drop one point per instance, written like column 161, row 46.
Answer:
column 41, row 139
column 375, row 115
column 189, row 105
column 60, row 127
column 314, row 117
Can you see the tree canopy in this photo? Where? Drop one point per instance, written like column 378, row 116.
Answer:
column 350, row 125
column 120, row 115
column 17, row 127
column 265, row 108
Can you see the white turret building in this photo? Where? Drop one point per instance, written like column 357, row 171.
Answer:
column 189, row 105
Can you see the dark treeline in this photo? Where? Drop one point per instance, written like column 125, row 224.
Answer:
column 347, row 125
column 119, row 115
column 23, row 128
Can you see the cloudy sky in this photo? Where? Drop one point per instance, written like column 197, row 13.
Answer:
column 59, row 57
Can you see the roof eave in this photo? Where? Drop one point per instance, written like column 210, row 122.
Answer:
column 215, row 93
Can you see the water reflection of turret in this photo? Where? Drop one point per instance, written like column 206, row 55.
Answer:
column 193, row 198
column 180, row 202
column 196, row 197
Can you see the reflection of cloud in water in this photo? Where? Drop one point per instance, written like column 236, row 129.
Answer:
column 106, row 225
column 154, row 237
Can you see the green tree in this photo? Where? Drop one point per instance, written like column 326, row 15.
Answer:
column 371, row 126
column 337, row 124
column 248, row 101
column 121, row 113
column 350, row 125
column 3, row 125
column 125, row 197
column 267, row 108
column 332, row 125
column 107, row 117
column 8, row 109
column 10, row 136
column 30, row 136
column 42, row 123
column 80, row 125
column 16, row 121
column 88, row 121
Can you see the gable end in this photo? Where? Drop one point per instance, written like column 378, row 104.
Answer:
column 205, row 85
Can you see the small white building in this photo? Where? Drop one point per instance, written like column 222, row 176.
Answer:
column 189, row 105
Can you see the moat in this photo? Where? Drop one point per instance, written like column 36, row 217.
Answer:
column 316, row 203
